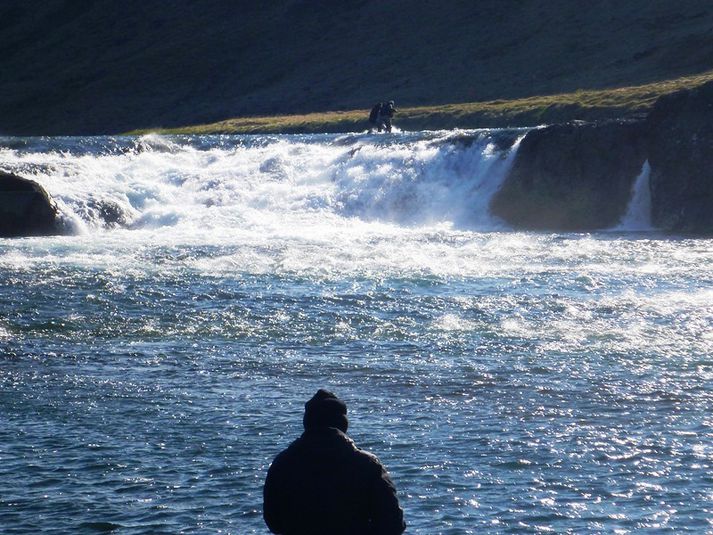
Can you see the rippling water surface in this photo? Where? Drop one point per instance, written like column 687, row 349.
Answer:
column 511, row 382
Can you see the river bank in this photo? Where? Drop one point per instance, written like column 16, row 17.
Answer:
column 590, row 105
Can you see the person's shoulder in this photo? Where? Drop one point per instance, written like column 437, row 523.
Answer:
column 288, row 453
column 369, row 459
column 348, row 444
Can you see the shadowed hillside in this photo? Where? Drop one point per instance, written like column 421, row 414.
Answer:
column 105, row 67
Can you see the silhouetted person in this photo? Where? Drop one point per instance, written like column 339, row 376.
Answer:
column 385, row 115
column 374, row 117
column 322, row 484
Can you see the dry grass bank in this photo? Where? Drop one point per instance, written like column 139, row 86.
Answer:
column 582, row 104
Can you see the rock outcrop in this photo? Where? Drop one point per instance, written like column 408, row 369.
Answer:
column 578, row 176
column 26, row 209
column 573, row 176
column 680, row 151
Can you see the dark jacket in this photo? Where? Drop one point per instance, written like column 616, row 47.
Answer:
column 323, row 484
column 387, row 110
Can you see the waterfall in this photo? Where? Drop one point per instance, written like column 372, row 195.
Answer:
column 264, row 183
column 638, row 213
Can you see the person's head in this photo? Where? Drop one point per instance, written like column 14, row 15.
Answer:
column 325, row 410
column 391, row 103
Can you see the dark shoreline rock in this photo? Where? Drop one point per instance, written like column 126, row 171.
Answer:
column 572, row 177
column 578, row 176
column 680, row 151
column 26, row 209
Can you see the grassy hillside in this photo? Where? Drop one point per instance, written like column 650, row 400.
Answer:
column 106, row 67
column 531, row 111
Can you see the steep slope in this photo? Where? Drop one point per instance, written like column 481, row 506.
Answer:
column 106, row 67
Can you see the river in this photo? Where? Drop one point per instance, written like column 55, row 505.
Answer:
column 153, row 362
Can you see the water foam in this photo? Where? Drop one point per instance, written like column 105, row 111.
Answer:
column 271, row 184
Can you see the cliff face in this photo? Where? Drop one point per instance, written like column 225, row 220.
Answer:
column 680, row 151
column 105, row 67
column 574, row 176
column 579, row 176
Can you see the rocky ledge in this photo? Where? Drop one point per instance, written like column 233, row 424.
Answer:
column 579, row 176
column 26, row 209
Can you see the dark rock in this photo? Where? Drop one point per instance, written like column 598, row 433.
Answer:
column 572, row 176
column 26, row 209
column 113, row 214
column 109, row 212
column 578, row 176
column 680, row 148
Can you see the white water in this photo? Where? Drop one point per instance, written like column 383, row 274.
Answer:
column 294, row 184
column 638, row 213
column 330, row 204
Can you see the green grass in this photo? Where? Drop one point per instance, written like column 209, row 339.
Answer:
column 583, row 105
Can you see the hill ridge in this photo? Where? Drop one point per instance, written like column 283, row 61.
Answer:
column 108, row 67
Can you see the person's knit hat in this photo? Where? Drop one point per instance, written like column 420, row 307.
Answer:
column 325, row 410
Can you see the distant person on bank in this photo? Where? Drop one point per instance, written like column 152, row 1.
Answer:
column 381, row 115
column 322, row 484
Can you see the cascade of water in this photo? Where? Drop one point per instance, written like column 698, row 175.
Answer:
column 271, row 182
column 638, row 213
